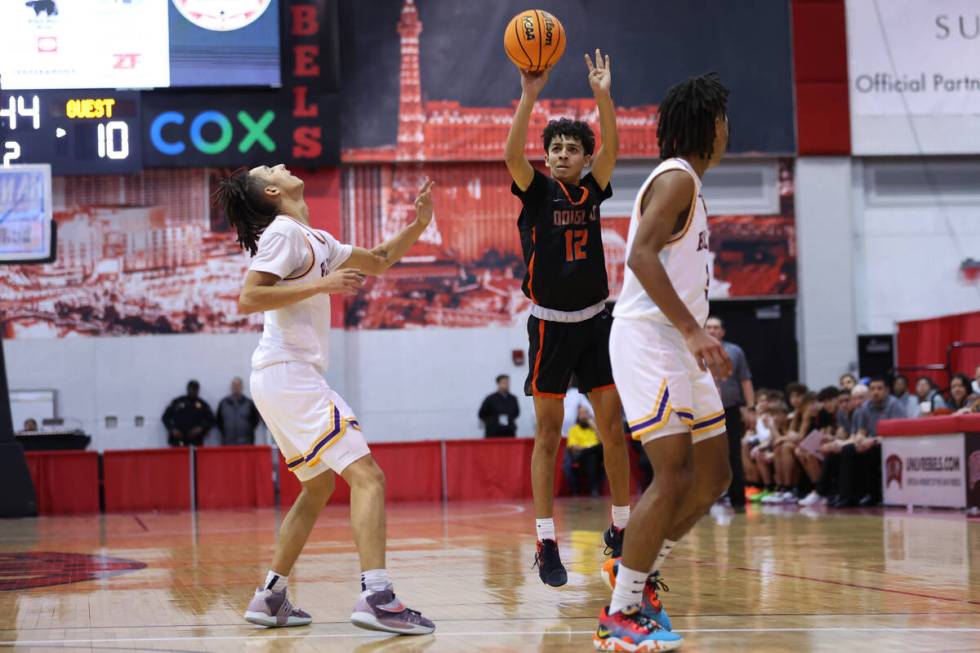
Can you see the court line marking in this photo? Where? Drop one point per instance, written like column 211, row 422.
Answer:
column 497, row 633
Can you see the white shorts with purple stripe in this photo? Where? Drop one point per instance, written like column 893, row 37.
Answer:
column 663, row 390
column 313, row 426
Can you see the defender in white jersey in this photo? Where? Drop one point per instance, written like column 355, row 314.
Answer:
column 294, row 270
column 662, row 360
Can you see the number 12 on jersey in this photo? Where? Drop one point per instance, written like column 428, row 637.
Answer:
column 575, row 241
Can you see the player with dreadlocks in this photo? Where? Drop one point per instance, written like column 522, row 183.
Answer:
column 663, row 361
column 293, row 271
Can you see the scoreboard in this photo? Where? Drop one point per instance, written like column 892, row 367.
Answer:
column 77, row 132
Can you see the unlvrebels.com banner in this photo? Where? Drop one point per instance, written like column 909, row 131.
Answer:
column 914, row 70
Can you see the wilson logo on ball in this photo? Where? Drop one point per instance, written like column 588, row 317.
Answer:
column 534, row 40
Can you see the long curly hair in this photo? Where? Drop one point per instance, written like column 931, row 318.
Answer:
column 242, row 197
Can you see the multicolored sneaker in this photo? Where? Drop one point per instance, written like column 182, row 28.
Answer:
column 548, row 561
column 630, row 630
column 652, row 607
column 613, row 539
column 273, row 610
column 383, row 611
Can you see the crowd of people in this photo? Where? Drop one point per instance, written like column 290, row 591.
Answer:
column 823, row 448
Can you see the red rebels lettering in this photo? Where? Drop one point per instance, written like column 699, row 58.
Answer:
column 304, row 20
column 306, row 143
column 305, row 30
column 300, row 107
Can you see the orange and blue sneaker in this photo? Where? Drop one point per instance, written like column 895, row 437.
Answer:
column 630, row 630
column 651, row 607
column 548, row 561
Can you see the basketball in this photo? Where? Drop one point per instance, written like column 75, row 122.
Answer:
column 534, row 40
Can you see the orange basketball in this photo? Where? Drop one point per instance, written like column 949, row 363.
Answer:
column 534, row 40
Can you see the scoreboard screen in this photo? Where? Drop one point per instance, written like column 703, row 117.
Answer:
column 26, row 228
column 77, row 132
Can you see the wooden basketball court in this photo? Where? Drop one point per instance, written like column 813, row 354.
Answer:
column 770, row 580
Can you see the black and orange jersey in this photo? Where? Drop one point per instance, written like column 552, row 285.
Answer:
column 562, row 242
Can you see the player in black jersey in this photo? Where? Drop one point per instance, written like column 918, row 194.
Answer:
column 567, row 285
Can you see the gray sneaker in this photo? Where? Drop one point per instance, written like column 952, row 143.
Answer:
column 383, row 611
column 273, row 610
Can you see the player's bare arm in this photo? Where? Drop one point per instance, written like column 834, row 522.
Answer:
column 377, row 260
column 600, row 79
column 517, row 163
column 664, row 207
column 261, row 293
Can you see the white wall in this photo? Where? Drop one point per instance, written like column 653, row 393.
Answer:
column 825, row 259
column 915, row 222
column 403, row 384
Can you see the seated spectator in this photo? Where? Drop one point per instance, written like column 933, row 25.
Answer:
column 847, row 381
column 975, row 386
column 572, row 402
column 794, row 394
column 831, row 449
column 785, row 464
column 188, row 418
column 499, row 411
column 583, row 455
column 30, row 424
column 961, row 400
column 237, row 417
column 930, row 399
column 756, row 433
column 762, row 454
column 860, row 470
column 810, row 452
column 900, row 389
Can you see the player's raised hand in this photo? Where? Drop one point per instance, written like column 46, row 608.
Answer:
column 532, row 83
column 347, row 281
column 423, row 203
column 709, row 354
column 600, row 74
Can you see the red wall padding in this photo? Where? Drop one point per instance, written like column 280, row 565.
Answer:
column 234, row 477
column 413, row 472
column 65, row 482
column 147, row 479
column 498, row 468
column 925, row 342
column 820, row 74
column 930, row 425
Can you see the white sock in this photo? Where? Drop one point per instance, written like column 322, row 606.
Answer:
column 621, row 516
column 374, row 580
column 275, row 581
column 545, row 528
column 664, row 552
column 629, row 588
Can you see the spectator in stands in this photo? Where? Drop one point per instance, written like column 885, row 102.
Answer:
column 860, row 471
column 847, row 407
column 961, row 400
column 930, row 399
column 910, row 403
column 763, row 455
column 794, row 394
column 237, row 417
column 188, row 418
column 583, row 454
column 499, row 411
column 572, row 402
column 785, row 464
column 828, row 485
column 736, row 393
column 30, row 424
column 810, row 451
column 976, row 381
column 847, row 381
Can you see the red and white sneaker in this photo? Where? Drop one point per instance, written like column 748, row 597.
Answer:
column 651, row 607
column 630, row 630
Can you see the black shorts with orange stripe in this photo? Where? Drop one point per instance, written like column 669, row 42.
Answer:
column 560, row 349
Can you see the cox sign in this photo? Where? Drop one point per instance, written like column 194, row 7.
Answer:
column 252, row 131
column 215, row 129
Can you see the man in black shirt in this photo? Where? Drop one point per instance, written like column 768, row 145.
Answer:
column 561, row 237
column 499, row 411
column 188, row 418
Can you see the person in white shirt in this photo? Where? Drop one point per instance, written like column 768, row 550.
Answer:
column 294, row 270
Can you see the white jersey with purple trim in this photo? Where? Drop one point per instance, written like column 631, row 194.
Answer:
column 297, row 253
column 685, row 257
